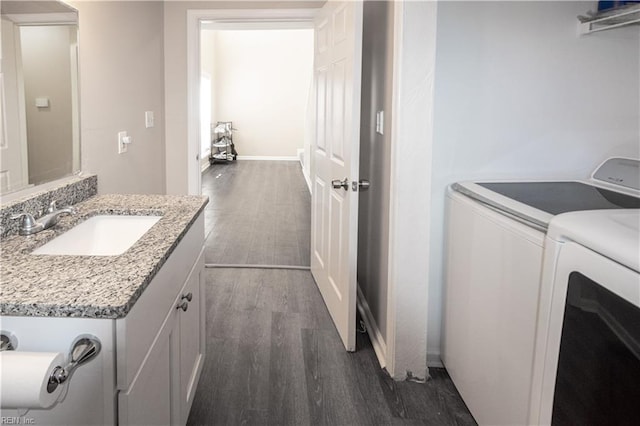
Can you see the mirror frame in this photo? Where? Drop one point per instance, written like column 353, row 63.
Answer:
column 49, row 13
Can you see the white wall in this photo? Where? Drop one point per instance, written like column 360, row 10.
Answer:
column 519, row 95
column 262, row 80
column 121, row 77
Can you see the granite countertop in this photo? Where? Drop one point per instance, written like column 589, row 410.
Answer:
column 93, row 286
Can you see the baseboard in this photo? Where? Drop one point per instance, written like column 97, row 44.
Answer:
column 204, row 167
column 379, row 346
column 307, row 179
column 266, row 158
column 434, row 360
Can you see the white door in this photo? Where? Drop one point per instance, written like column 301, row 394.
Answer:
column 13, row 154
column 335, row 155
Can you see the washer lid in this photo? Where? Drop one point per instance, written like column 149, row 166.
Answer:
column 612, row 233
column 562, row 197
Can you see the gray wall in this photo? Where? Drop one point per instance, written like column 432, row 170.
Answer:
column 373, row 231
column 46, row 67
column 122, row 76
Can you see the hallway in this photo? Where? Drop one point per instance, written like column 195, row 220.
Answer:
column 259, row 212
column 273, row 354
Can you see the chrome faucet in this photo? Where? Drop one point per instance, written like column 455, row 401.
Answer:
column 30, row 226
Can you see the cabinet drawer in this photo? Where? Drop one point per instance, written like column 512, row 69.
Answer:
column 135, row 333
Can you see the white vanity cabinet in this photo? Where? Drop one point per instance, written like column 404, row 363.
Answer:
column 161, row 343
column 146, row 307
column 191, row 344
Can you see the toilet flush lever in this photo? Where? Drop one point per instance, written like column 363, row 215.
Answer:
column 337, row 184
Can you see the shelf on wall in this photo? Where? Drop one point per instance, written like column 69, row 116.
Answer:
column 609, row 19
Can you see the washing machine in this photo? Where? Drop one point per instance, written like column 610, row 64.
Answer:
column 496, row 246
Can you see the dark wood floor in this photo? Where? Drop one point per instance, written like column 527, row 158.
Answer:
column 259, row 213
column 273, row 354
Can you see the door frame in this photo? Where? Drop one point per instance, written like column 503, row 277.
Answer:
column 409, row 284
column 229, row 19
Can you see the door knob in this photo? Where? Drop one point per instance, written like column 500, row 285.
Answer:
column 362, row 185
column 337, row 184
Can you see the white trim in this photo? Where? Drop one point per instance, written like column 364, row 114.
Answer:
column 205, row 166
column 434, row 360
column 307, row 179
column 377, row 341
column 76, row 166
column 250, row 26
column 300, row 155
column 254, row 16
column 411, row 156
column 266, row 158
column 193, row 104
column 56, row 18
column 227, row 18
column 398, row 10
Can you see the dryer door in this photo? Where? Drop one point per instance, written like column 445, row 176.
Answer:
column 592, row 367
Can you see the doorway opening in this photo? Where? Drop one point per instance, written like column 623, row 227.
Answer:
column 336, row 114
column 258, row 78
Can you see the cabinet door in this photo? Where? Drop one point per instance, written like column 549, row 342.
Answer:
column 148, row 399
column 191, row 327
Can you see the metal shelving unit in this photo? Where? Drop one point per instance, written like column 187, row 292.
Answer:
column 222, row 147
column 609, row 19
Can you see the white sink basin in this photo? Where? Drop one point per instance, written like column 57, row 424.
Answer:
column 100, row 236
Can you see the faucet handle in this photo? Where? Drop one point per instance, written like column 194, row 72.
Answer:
column 28, row 221
column 53, row 206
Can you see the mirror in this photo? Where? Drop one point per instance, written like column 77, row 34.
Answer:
column 40, row 126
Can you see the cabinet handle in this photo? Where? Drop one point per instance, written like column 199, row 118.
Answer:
column 184, row 306
column 188, row 296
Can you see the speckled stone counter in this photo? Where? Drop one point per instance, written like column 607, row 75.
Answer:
column 93, row 286
column 67, row 191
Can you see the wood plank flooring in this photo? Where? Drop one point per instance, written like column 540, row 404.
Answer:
column 273, row 354
column 259, row 213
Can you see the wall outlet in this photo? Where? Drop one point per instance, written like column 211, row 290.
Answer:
column 149, row 120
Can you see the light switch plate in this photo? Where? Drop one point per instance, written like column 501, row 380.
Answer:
column 42, row 102
column 122, row 144
column 149, row 120
column 380, row 122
